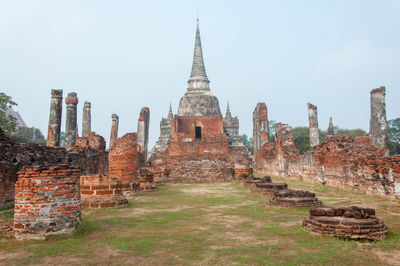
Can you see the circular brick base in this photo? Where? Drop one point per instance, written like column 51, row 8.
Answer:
column 295, row 198
column 346, row 222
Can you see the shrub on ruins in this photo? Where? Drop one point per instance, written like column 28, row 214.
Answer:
column 7, row 123
column 28, row 135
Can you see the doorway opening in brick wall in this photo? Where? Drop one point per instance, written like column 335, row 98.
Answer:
column 198, row 132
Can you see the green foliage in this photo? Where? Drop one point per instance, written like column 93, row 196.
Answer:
column 350, row 132
column 394, row 130
column 271, row 130
column 301, row 139
column 248, row 142
column 7, row 123
column 322, row 135
column 394, row 136
column 28, row 135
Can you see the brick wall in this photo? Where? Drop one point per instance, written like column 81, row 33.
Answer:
column 47, row 202
column 146, row 179
column 91, row 159
column 342, row 161
column 200, row 171
column 206, row 159
column 100, row 191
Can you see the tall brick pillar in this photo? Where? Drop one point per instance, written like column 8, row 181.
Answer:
column 378, row 125
column 143, row 131
column 114, row 130
column 260, row 129
column 86, row 119
column 70, row 125
column 123, row 162
column 313, row 124
column 54, row 129
column 330, row 131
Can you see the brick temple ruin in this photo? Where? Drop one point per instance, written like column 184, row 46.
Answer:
column 197, row 144
column 50, row 184
column 356, row 163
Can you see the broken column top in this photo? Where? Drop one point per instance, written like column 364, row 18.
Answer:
column 114, row 116
column 72, row 98
column 87, row 104
column 311, row 106
column 144, row 114
column 381, row 89
column 56, row 93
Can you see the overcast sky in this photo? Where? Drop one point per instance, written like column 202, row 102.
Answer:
column 123, row 55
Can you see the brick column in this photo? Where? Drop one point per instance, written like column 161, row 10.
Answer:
column 70, row 125
column 54, row 129
column 313, row 124
column 114, row 130
column 378, row 125
column 86, row 120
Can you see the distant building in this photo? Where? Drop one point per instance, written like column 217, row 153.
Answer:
column 18, row 118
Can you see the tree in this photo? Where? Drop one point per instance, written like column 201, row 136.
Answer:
column 301, row 139
column 28, row 135
column 7, row 123
column 394, row 130
column 248, row 142
column 350, row 132
column 394, row 136
column 271, row 130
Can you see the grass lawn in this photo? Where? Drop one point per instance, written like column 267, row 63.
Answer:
column 209, row 224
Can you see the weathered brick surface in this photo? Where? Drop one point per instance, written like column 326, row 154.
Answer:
column 98, row 157
column 206, row 159
column 90, row 159
column 294, row 198
column 342, row 161
column 243, row 170
column 200, row 171
column 146, row 179
column 124, row 162
column 346, row 222
column 47, row 202
column 100, row 191
column 260, row 128
column 114, row 130
column 143, row 131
